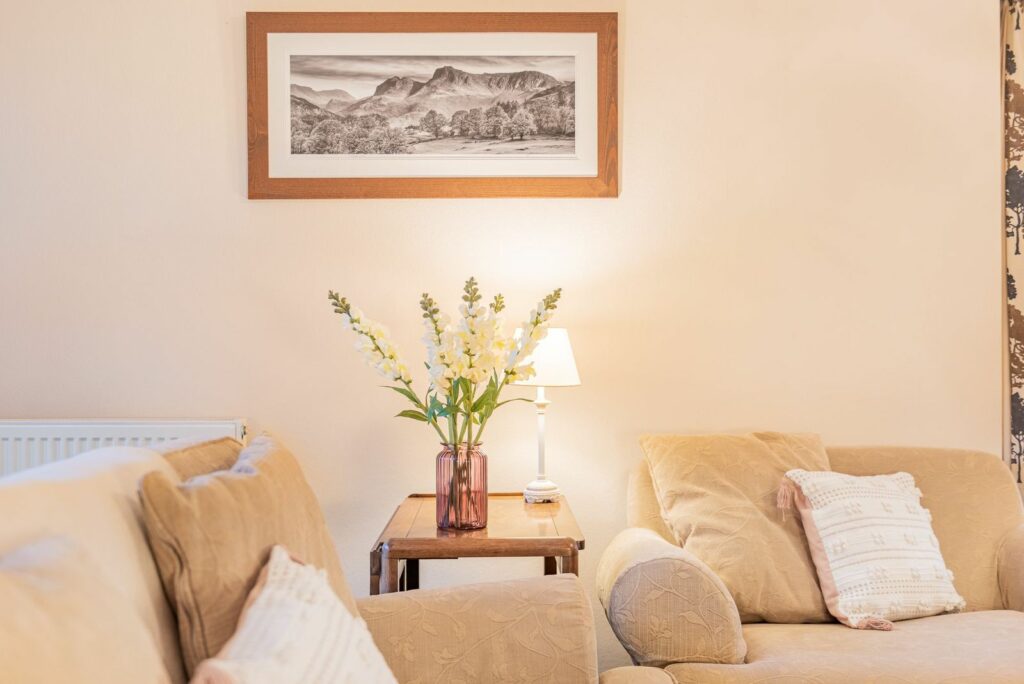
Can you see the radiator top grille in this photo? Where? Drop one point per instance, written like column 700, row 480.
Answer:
column 29, row 443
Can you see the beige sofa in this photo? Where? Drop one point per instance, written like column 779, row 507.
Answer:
column 538, row 629
column 678, row 621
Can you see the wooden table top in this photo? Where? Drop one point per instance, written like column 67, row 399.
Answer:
column 514, row 527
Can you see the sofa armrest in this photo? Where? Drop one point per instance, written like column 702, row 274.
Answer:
column 539, row 630
column 665, row 605
column 1010, row 570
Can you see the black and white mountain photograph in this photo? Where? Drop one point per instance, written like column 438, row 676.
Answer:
column 437, row 105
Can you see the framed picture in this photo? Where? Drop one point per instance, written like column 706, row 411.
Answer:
column 396, row 104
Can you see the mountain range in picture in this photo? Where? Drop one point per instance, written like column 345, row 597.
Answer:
column 433, row 105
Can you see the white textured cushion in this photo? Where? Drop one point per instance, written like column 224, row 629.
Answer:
column 877, row 558
column 295, row 630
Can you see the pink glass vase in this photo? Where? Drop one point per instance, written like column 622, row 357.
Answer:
column 461, row 488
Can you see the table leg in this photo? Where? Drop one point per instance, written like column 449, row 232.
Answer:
column 550, row 565
column 571, row 563
column 390, row 573
column 412, row 574
column 375, row 572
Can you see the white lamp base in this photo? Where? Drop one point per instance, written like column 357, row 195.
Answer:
column 541, row 491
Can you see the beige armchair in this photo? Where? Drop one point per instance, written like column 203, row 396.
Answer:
column 532, row 630
column 678, row 622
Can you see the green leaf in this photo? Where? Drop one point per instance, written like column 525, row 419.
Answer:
column 435, row 409
column 486, row 398
column 463, row 393
column 415, row 415
column 405, row 392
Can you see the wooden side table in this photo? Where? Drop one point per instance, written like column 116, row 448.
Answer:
column 514, row 528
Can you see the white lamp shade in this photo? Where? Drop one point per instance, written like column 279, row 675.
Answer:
column 553, row 361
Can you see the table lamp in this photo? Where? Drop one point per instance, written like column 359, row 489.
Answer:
column 555, row 366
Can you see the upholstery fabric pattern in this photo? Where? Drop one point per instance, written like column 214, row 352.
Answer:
column 211, row 535
column 295, row 630
column 872, row 542
column 970, row 528
column 717, row 494
column 532, row 630
column 55, row 603
column 960, row 648
column 665, row 605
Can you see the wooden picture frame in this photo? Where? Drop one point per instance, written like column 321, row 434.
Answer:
column 603, row 182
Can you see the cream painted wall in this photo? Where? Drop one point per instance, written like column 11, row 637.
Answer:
column 807, row 239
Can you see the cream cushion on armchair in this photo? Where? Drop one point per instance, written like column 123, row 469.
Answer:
column 973, row 501
column 878, row 559
column 717, row 495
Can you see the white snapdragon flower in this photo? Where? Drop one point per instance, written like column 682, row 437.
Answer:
column 440, row 343
column 373, row 343
column 534, row 330
column 475, row 349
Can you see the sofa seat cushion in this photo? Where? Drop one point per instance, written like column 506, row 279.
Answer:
column 636, row 675
column 960, row 647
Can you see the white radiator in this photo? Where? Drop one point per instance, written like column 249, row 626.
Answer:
column 29, row 443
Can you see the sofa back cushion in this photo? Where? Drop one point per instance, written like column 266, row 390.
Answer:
column 212, row 534
column 92, row 501
column 642, row 507
column 718, row 496
column 973, row 500
column 65, row 622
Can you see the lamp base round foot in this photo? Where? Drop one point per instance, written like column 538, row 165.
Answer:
column 541, row 491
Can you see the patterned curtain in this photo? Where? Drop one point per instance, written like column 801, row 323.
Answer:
column 1013, row 166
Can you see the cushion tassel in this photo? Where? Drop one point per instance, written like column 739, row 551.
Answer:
column 784, row 499
column 881, row 624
